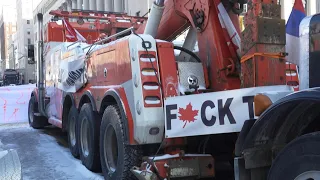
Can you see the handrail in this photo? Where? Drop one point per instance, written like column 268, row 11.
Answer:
column 112, row 36
column 74, row 43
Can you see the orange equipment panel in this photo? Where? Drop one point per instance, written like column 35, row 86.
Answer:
column 56, row 32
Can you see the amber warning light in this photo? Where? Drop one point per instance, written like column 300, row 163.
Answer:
column 261, row 103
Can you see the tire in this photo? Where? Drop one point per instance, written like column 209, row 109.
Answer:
column 89, row 138
column 36, row 122
column 298, row 160
column 116, row 157
column 73, row 132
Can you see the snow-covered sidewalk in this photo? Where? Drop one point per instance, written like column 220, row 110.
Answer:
column 43, row 154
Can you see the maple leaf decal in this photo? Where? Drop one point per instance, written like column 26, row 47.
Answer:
column 187, row 114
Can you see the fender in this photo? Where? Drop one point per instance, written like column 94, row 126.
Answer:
column 66, row 110
column 92, row 101
column 35, row 93
column 283, row 121
column 127, row 121
column 71, row 97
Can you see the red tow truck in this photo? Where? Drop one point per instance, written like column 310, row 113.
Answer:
column 134, row 109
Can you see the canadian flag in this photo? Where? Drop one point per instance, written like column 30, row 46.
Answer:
column 71, row 33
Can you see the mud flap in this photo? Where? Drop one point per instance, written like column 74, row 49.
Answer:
column 242, row 136
column 240, row 173
column 10, row 167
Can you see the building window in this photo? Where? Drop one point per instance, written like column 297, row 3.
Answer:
column 28, row 21
column 29, row 41
column 28, row 32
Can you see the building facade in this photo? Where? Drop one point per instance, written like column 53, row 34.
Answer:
column 8, row 27
column 25, row 38
column 12, row 51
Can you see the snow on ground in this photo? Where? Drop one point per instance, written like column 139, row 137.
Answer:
column 43, row 153
column 14, row 103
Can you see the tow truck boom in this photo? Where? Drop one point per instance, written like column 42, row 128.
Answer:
column 220, row 53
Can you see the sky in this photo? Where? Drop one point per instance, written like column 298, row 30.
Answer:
column 6, row 3
column 13, row 3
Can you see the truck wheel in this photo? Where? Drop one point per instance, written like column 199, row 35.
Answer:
column 36, row 122
column 299, row 160
column 116, row 157
column 73, row 133
column 89, row 138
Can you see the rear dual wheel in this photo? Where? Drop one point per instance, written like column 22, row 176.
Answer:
column 89, row 123
column 114, row 156
column 73, row 131
column 117, row 158
column 299, row 160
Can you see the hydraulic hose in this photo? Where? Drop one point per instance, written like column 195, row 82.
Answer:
column 188, row 52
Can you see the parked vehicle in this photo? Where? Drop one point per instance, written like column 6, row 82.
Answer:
column 10, row 76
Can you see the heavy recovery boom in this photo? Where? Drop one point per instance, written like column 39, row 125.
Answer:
column 219, row 43
column 214, row 24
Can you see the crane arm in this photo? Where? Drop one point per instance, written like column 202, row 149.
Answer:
column 218, row 31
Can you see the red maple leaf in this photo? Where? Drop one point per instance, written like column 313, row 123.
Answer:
column 187, row 114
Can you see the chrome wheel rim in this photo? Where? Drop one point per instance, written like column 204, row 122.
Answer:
column 110, row 148
column 85, row 131
column 309, row 175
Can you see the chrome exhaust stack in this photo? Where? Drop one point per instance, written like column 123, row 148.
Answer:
column 40, row 75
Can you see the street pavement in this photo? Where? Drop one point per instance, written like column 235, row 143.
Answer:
column 43, row 153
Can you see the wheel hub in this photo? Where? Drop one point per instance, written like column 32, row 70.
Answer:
column 72, row 131
column 309, row 175
column 85, row 132
column 31, row 112
column 110, row 149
